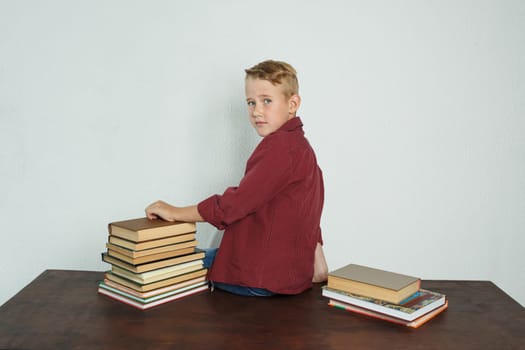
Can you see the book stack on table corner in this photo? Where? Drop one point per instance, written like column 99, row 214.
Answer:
column 382, row 294
column 152, row 262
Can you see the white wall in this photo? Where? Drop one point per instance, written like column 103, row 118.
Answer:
column 415, row 108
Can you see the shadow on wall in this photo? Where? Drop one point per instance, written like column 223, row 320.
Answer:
column 222, row 141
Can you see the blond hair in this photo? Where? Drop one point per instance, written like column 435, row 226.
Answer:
column 277, row 73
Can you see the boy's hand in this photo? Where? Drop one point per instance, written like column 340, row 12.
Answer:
column 161, row 210
column 168, row 212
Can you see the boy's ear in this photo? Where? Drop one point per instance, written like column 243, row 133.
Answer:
column 293, row 103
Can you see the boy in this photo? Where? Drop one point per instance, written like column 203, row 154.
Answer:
column 272, row 238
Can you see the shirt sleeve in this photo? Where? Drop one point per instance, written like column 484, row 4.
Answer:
column 268, row 172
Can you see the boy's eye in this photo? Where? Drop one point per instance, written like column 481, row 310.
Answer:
column 251, row 103
column 267, row 101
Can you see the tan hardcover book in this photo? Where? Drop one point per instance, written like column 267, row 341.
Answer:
column 151, row 265
column 144, row 229
column 155, row 243
column 152, row 276
column 374, row 283
column 155, row 285
column 157, row 272
column 153, row 251
column 150, row 258
column 144, row 305
column 155, row 292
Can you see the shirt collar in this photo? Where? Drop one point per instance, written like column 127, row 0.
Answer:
column 292, row 124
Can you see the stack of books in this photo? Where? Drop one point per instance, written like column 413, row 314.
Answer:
column 382, row 294
column 152, row 262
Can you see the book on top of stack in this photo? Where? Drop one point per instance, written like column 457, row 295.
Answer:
column 152, row 262
column 383, row 294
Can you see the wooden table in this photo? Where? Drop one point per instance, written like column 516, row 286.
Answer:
column 62, row 310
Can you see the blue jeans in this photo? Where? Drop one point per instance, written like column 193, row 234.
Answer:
column 209, row 257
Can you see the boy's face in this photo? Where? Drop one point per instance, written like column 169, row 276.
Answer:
column 268, row 107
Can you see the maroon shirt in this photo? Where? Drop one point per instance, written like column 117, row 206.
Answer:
column 271, row 220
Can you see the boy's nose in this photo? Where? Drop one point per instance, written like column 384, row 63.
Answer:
column 257, row 113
